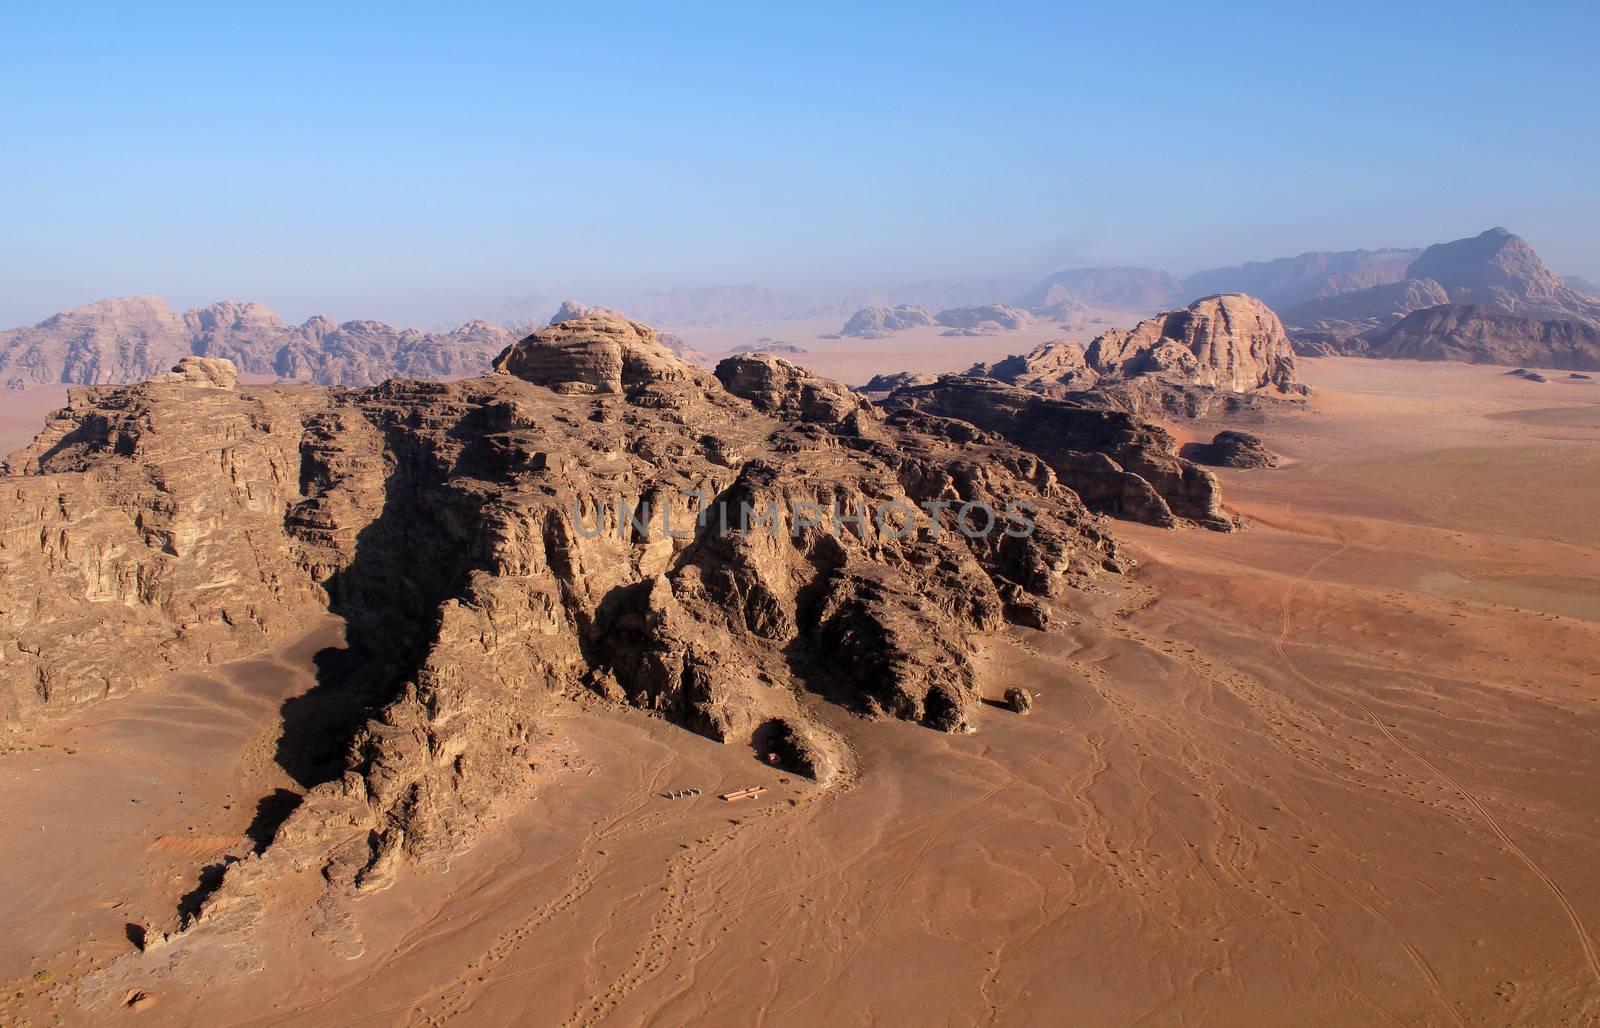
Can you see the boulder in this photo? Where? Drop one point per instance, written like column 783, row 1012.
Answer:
column 1232, row 449
column 204, row 371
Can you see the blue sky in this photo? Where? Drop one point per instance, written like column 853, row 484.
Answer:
column 424, row 164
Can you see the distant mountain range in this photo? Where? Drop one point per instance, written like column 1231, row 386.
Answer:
column 132, row 338
column 1487, row 298
column 1330, row 302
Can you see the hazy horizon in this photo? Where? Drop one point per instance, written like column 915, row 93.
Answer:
column 428, row 168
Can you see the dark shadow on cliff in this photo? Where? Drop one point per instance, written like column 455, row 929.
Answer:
column 407, row 561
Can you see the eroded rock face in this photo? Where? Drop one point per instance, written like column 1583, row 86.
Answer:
column 123, row 340
column 593, row 353
column 498, row 542
column 775, row 386
column 1118, row 464
column 1052, row 368
column 1230, row 342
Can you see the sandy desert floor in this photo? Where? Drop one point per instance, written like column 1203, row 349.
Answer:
column 22, row 412
column 925, row 349
column 1337, row 768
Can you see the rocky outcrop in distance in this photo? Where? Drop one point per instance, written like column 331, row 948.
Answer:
column 1488, row 335
column 982, row 319
column 888, row 383
column 1484, row 299
column 1218, row 349
column 133, row 338
column 877, row 322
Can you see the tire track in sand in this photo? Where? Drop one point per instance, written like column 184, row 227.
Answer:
column 1472, row 801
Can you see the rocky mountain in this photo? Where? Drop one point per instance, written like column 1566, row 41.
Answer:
column 1181, row 361
column 1489, row 335
column 133, row 338
column 1287, row 281
column 1484, row 299
column 1346, row 315
column 1132, row 289
column 877, row 322
column 557, row 527
column 1499, row 269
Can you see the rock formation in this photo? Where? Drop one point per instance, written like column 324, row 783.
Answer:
column 896, row 380
column 877, row 322
column 1220, row 349
column 1232, row 449
column 1118, row 464
column 1489, row 335
column 1056, row 368
column 134, row 338
column 560, row 525
column 1018, row 699
column 765, row 345
column 982, row 319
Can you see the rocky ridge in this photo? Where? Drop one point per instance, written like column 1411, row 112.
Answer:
column 1487, row 335
column 549, row 530
column 134, row 338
